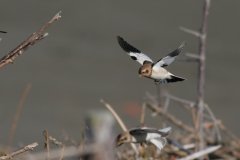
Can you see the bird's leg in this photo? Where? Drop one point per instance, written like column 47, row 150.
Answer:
column 143, row 144
column 157, row 82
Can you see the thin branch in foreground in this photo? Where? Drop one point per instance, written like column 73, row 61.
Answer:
column 17, row 115
column 119, row 121
column 45, row 133
column 201, row 153
column 34, row 38
column 195, row 33
column 19, row 151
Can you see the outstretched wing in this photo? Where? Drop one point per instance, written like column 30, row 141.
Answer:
column 165, row 61
column 133, row 52
column 143, row 130
column 159, row 143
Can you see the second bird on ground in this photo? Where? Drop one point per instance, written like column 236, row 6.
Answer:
column 149, row 69
column 144, row 136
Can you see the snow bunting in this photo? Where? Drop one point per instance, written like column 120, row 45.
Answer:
column 150, row 69
column 145, row 135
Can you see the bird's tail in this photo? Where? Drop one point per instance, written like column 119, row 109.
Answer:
column 166, row 131
column 173, row 79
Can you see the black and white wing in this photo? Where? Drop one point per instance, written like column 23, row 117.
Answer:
column 133, row 52
column 165, row 61
column 143, row 130
column 159, row 142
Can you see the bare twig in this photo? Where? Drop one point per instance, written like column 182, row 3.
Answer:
column 152, row 98
column 19, row 151
column 190, row 103
column 34, row 38
column 230, row 134
column 187, row 59
column 195, row 33
column 201, row 153
column 120, row 122
column 171, row 118
column 67, row 138
column 201, row 71
column 192, row 55
column 214, row 122
column 62, row 152
column 70, row 152
column 45, row 133
column 165, row 110
column 159, row 97
column 56, row 142
column 16, row 118
column 143, row 114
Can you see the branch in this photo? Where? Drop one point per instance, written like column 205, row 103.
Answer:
column 201, row 72
column 171, row 118
column 201, row 153
column 190, row 103
column 214, row 122
column 192, row 55
column 46, row 144
column 195, row 33
column 34, row 38
column 17, row 115
column 187, row 59
column 230, row 134
column 19, row 151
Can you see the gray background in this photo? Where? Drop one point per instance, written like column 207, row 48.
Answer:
column 80, row 62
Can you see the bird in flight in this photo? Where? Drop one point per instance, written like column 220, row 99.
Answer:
column 144, row 136
column 150, row 69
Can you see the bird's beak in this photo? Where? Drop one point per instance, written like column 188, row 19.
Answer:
column 140, row 75
column 119, row 143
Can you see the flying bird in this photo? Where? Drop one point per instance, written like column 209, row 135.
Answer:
column 150, row 69
column 144, row 136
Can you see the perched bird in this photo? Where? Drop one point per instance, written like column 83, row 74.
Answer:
column 145, row 135
column 150, row 69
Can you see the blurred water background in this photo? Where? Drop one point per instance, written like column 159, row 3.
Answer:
column 80, row 62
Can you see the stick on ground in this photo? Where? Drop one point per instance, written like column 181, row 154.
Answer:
column 19, row 151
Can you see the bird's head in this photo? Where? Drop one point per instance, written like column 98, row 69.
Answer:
column 123, row 138
column 145, row 70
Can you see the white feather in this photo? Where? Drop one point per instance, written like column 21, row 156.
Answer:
column 165, row 129
column 159, row 143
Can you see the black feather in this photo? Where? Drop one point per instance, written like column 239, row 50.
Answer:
column 127, row 47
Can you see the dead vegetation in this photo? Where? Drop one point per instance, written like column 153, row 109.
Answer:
column 203, row 140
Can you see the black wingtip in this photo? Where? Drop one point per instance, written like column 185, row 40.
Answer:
column 184, row 43
column 173, row 79
column 3, row 32
column 127, row 47
column 179, row 50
